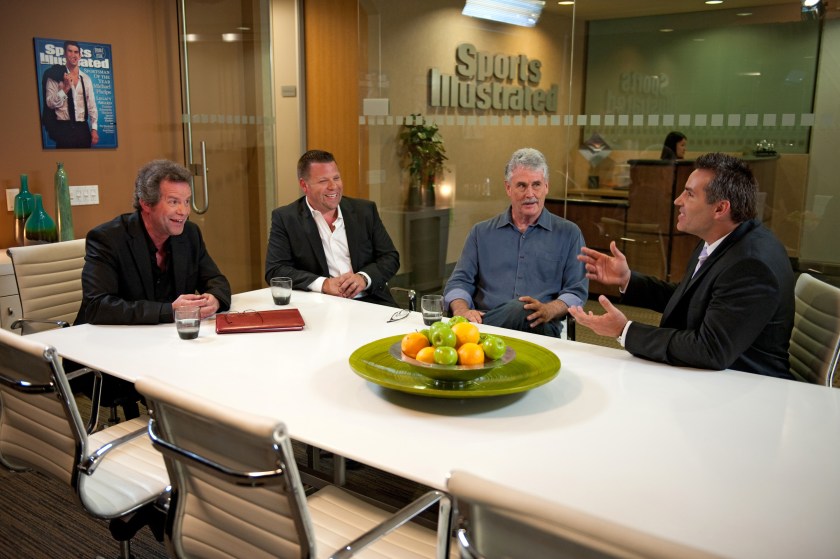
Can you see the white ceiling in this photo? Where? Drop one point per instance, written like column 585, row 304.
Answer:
column 613, row 9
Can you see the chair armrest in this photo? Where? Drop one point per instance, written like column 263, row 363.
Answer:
column 399, row 518
column 21, row 324
column 570, row 327
column 89, row 465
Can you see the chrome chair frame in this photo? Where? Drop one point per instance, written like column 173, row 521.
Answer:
column 282, row 478
column 815, row 340
column 41, row 429
column 493, row 521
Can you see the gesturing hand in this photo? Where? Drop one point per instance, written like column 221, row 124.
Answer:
column 609, row 270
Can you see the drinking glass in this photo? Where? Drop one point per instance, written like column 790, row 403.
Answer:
column 188, row 321
column 432, row 308
column 281, row 290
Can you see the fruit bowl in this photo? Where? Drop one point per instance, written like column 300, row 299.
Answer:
column 452, row 373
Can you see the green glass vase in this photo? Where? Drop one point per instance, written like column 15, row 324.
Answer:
column 40, row 227
column 63, row 212
column 24, row 203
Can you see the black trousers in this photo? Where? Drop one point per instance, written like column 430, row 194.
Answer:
column 71, row 135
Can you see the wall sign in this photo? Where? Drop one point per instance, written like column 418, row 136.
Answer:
column 75, row 84
column 492, row 81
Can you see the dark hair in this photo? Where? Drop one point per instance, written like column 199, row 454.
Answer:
column 310, row 157
column 669, row 148
column 529, row 158
column 149, row 177
column 733, row 181
column 74, row 43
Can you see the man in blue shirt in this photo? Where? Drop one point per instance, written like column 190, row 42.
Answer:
column 519, row 270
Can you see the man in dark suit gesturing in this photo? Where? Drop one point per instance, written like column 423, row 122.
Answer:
column 734, row 306
column 329, row 243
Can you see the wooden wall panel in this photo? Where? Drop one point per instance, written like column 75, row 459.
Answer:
column 333, row 65
column 147, row 98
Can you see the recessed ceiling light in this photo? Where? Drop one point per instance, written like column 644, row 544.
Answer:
column 666, row 30
column 711, row 2
column 566, row 3
column 516, row 12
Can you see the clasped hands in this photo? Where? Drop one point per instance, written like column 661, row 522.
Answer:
column 609, row 270
column 208, row 303
column 347, row 285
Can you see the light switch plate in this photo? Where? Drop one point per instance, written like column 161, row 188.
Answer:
column 85, row 195
column 10, row 198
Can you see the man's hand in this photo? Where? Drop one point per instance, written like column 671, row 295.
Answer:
column 610, row 323
column 459, row 307
column 609, row 270
column 208, row 303
column 94, row 137
column 346, row 285
column 543, row 312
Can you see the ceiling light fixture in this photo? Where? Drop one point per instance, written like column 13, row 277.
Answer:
column 813, row 9
column 713, row 2
column 516, row 12
column 566, row 3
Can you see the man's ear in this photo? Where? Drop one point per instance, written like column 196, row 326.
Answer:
column 722, row 209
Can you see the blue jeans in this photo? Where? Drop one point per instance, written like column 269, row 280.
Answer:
column 513, row 316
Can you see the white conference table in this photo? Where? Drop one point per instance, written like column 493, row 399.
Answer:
column 733, row 463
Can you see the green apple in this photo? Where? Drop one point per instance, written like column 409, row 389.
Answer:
column 426, row 333
column 445, row 355
column 456, row 319
column 435, row 327
column 444, row 336
column 494, row 347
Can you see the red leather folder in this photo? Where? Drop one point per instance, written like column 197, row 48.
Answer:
column 259, row 321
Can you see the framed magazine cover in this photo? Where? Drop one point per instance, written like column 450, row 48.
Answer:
column 86, row 69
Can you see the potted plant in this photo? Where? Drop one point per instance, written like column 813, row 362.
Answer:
column 423, row 154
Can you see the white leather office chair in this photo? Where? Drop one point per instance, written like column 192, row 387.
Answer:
column 493, row 521
column 49, row 280
column 115, row 473
column 815, row 341
column 236, row 491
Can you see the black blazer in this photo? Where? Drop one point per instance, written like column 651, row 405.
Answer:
column 736, row 312
column 117, row 276
column 295, row 249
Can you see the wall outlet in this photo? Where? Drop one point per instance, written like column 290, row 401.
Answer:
column 10, row 198
column 84, row 195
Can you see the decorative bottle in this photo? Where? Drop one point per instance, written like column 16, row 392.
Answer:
column 24, row 202
column 40, row 227
column 63, row 212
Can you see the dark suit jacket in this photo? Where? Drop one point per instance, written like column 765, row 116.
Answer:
column 736, row 312
column 117, row 276
column 295, row 249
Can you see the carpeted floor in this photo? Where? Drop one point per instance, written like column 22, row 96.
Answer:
column 40, row 518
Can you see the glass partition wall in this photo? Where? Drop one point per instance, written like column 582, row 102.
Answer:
column 597, row 90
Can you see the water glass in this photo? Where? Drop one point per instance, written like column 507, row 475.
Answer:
column 281, row 290
column 432, row 308
column 188, row 321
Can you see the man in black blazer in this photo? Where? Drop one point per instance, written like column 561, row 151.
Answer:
column 330, row 243
column 734, row 306
column 140, row 266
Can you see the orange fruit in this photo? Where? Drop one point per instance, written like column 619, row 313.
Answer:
column 413, row 342
column 426, row 355
column 470, row 354
column 465, row 332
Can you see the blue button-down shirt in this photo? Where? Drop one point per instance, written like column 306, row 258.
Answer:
column 499, row 263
